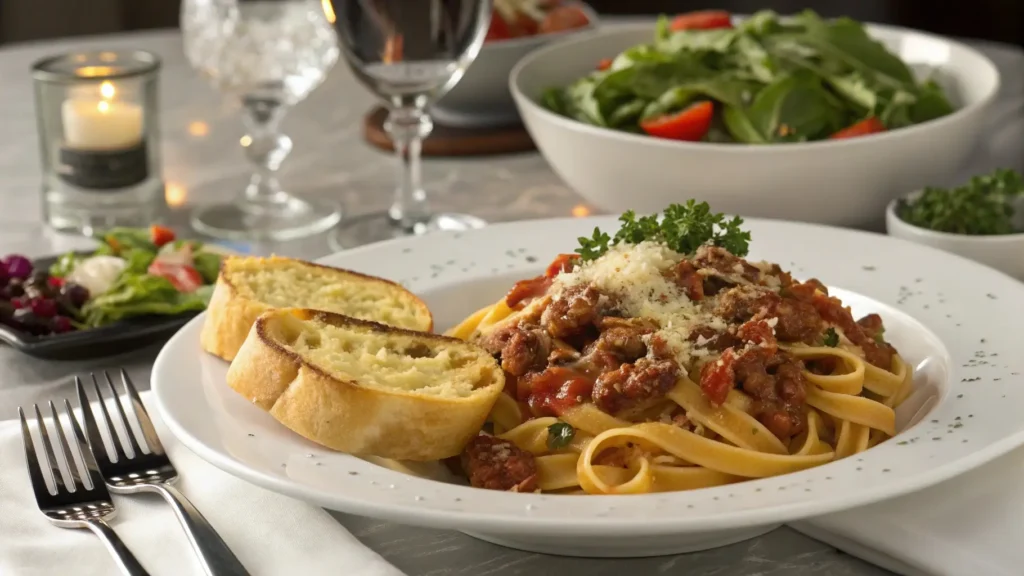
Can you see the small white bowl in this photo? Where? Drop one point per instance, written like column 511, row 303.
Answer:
column 837, row 182
column 482, row 98
column 1004, row 252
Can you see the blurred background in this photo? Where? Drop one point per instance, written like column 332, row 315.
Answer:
column 1000, row 20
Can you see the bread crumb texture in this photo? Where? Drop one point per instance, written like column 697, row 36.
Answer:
column 284, row 283
column 375, row 358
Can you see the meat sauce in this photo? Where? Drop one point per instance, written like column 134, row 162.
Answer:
column 579, row 349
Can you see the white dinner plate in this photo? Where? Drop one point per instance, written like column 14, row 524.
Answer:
column 957, row 322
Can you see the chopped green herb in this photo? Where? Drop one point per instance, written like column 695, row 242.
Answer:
column 831, row 338
column 682, row 227
column 983, row 206
column 591, row 248
column 559, row 435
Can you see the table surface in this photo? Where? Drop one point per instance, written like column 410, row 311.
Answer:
column 203, row 162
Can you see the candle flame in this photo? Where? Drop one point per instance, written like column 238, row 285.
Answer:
column 176, row 195
column 580, row 211
column 198, row 128
column 103, row 106
column 328, row 10
column 107, row 90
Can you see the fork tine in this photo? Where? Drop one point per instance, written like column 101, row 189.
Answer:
column 65, row 450
column 35, row 471
column 48, row 456
column 139, row 409
column 99, row 449
column 92, row 478
column 128, row 432
column 115, row 439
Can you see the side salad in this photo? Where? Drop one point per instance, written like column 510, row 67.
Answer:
column 133, row 273
column 767, row 80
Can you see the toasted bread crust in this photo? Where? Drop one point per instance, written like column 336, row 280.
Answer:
column 229, row 316
column 346, row 416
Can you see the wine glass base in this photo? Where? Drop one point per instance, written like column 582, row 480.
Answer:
column 377, row 227
column 295, row 218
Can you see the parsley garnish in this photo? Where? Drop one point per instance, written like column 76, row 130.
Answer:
column 831, row 338
column 682, row 227
column 593, row 247
column 983, row 206
column 559, row 435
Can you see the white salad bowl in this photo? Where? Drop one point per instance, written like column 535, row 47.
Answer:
column 843, row 182
column 481, row 98
column 1004, row 252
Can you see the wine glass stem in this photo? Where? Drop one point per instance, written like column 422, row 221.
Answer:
column 266, row 148
column 407, row 129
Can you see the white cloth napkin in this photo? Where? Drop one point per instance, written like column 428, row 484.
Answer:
column 972, row 524
column 271, row 534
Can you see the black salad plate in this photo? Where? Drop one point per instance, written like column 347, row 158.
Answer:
column 124, row 336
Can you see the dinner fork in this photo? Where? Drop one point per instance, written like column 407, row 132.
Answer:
column 85, row 503
column 131, row 470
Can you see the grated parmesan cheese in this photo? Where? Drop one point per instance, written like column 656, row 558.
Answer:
column 637, row 278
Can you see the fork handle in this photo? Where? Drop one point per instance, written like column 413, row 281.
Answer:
column 214, row 555
column 122, row 555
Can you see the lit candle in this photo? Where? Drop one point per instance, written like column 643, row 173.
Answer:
column 104, row 124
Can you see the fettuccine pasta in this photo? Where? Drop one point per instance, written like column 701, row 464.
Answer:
column 648, row 370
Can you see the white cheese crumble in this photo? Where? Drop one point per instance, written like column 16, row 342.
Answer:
column 97, row 273
column 637, row 278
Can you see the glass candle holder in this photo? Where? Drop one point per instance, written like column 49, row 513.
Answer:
column 99, row 140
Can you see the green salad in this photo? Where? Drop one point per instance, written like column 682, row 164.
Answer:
column 140, row 272
column 766, row 80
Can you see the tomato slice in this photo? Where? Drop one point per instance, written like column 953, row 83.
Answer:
column 701, row 20
column 184, row 278
column 564, row 18
column 690, row 124
column 867, row 126
column 604, row 64
column 498, row 29
column 160, row 235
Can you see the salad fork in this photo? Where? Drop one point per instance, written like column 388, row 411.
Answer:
column 82, row 503
column 132, row 471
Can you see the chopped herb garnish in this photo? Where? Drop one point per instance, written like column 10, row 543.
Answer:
column 983, row 206
column 831, row 338
column 593, row 247
column 559, row 435
column 682, row 227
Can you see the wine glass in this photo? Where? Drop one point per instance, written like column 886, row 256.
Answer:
column 270, row 54
column 408, row 53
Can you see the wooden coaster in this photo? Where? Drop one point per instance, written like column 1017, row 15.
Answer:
column 451, row 141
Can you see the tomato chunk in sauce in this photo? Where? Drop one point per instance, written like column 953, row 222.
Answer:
column 558, row 389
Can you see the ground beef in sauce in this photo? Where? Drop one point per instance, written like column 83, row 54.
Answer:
column 797, row 321
column 526, row 350
column 708, row 338
column 572, row 313
column 623, row 338
column 832, row 310
column 632, row 384
column 689, row 281
column 775, row 381
column 721, row 260
column 498, row 464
